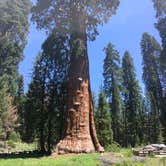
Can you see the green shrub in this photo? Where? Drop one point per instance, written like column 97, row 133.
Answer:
column 11, row 144
column 15, row 137
column 127, row 152
column 114, row 147
column 2, row 136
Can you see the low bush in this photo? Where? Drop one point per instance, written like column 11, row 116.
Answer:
column 11, row 144
column 127, row 152
column 15, row 137
column 114, row 147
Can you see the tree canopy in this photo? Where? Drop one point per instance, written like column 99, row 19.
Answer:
column 160, row 6
column 14, row 20
column 53, row 13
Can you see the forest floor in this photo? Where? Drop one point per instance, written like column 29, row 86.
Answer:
column 124, row 157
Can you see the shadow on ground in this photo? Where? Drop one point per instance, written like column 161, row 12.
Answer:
column 25, row 154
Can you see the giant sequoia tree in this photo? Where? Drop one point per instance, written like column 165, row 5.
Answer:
column 160, row 6
column 79, row 19
column 150, row 52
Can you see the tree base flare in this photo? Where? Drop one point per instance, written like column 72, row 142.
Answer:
column 71, row 145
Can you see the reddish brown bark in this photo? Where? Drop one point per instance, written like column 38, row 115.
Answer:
column 80, row 135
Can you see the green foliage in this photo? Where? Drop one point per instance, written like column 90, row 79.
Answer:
column 10, row 56
column 150, row 52
column 103, row 121
column 160, row 7
column 162, row 58
column 127, row 152
column 20, row 146
column 112, row 85
column 3, row 94
column 13, row 31
column 132, row 102
column 14, row 20
column 77, row 21
column 114, row 147
column 15, row 137
column 91, row 12
column 11, row 143
column 111, row 69
column 19, row 101
column 46, row 98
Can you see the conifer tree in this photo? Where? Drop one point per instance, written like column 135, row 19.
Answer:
column 145, row 125
column 14, row 21
column 39, row 100
column 103, row 121
column 9, row 118
column 13, row 30
column 160, row 7
column 132, row 101
column 112, row 84
column 46, row 99
column 19, row 101
column 150, row 51
column 30, row 115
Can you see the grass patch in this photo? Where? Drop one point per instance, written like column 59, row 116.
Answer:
column 11, row 146
column 155, row 162
column 77, row 160
column 25, row 147
column 127, row 152
column 122, row 158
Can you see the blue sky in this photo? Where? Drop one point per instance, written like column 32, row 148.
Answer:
column 124, row 30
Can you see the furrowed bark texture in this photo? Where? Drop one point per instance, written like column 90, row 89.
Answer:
column 80, row 135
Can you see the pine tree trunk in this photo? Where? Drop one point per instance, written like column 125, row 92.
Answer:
column 80, row 135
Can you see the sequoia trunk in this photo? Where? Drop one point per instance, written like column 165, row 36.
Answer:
column 80, row 135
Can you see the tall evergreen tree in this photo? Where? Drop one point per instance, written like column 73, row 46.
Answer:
column 30, row 115
column 38, row 101
column 56, row 53
column 150, row 51
column 19, row 101
column 10, row 56
column 14, row 21
column 112, row 83
column 13, row 30
column 160, row 6
column 103, row 121
column 145, row 122
column 79, row 20
column 132, row 101
column 46, row 99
